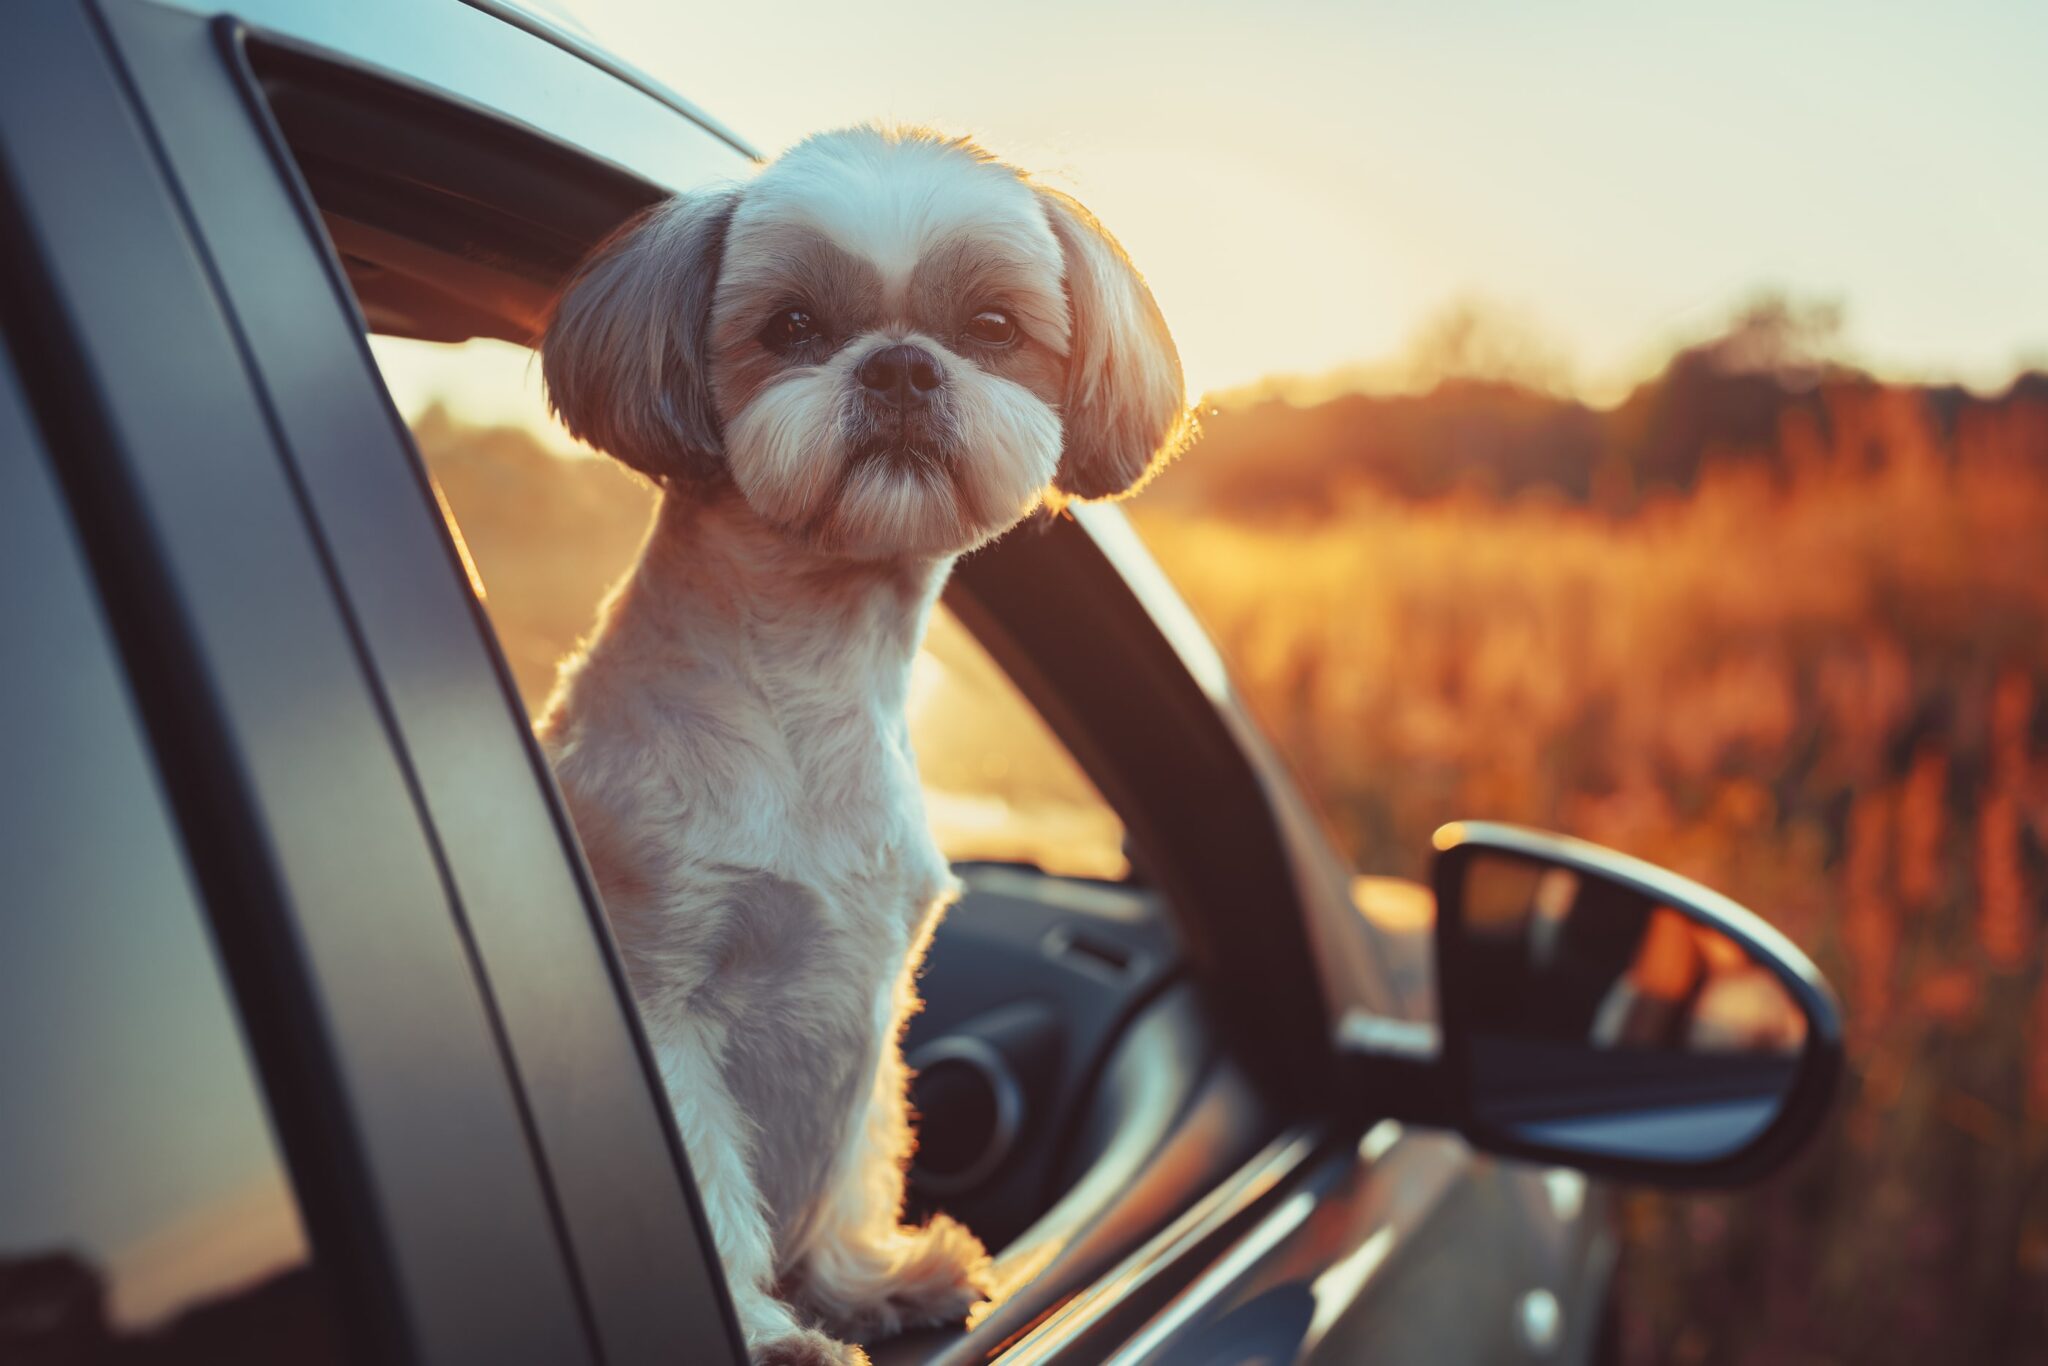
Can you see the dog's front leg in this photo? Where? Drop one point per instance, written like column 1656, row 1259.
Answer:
column 866, row 1274
column 714, row 1136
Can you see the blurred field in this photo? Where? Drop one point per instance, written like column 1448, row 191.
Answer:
column 1814, row 679
column 1775, row 625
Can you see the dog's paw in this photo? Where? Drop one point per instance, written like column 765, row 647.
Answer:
column 905, row 1278
column 946, row 1274
column 806, row 1348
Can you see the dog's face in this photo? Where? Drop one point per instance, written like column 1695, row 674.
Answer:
column 890, row 343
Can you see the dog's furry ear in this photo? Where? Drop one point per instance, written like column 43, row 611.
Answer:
column 1125, row 410
column 626, row 353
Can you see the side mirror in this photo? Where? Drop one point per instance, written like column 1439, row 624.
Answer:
column 1600, row 1012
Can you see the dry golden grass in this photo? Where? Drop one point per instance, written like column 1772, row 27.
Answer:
column 1823, row 695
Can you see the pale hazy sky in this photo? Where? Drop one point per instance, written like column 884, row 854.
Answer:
column 1306, row 183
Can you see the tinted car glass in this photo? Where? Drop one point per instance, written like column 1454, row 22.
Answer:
column 145, row 1214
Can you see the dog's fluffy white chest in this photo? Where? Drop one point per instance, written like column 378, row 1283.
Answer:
column 799, row 994
column 749, row 803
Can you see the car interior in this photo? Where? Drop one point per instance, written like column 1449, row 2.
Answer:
column 1074, row 1093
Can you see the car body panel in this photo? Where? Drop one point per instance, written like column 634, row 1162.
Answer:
column 1401, row 1249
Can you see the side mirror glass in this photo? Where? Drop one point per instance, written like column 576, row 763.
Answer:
column 1601, row 1012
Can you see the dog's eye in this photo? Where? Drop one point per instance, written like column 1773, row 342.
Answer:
column 992, row 327
column 790, row 329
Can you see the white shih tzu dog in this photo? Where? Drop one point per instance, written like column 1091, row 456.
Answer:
column 883, row 351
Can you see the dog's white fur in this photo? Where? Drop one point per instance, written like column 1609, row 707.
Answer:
column 733, row 742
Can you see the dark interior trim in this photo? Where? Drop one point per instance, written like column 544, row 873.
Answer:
column 452, row 221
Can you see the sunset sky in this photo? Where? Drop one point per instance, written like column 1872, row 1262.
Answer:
column 1307, row 183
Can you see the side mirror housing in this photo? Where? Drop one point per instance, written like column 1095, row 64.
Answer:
column 1599, row 1012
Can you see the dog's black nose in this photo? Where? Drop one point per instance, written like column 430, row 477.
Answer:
column 903, row 375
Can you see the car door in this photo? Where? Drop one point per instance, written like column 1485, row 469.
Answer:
column 399, row 1079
